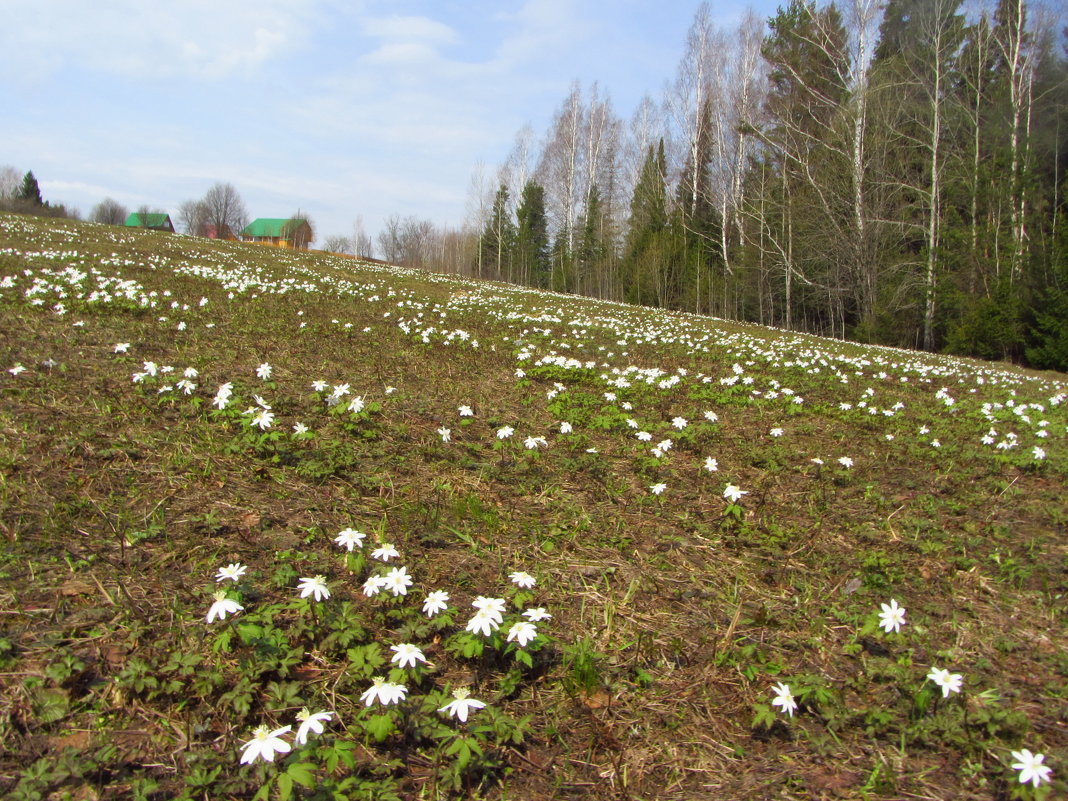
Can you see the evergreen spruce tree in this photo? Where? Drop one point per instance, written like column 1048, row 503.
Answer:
column 532, row 237
column 592, row 248
column 498, row 240
column 30, row 192
column 642, row 251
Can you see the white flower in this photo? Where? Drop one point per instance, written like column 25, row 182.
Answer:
column 150, row 368
column 733, row 493
column 263, row 371
column 948, row 682
column 680, row 422
column 776, row 432
column 484, row 622
column 462, row 704
column 892, row 616
column 494, row 607
column 397, row 581
column 466, row 411
column 265, row 744
column 406, row 655
column 223, row 606
column 350, row 538
column 657, row 489
column 711, row 417
column 536, row 614
column 374, row 585
column 644, row 436
column 784, row 698
column 356, row 404
column 263, row 419
column 233, row 571
column 190, row 372
column 445, row 433
column 310, row 723
column 436, row 601
column 522, row 632
column 222, row 395
column 711, row 465
column 384, row 691
column 300, row 428
column 385, row 552
column 504, row 432
column 1038, row 452
column 1031, row 767
column 522, row 579
column 565, row 428
column 121, row 347
column 319, row 386
column 316, row 586
column 846, row 462
column 533, row 443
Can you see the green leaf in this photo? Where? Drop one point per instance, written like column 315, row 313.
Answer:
column 303, row 773
column 51, row 705
column 285, row 786
column 763, row 717
column 379, row 727
column 264, row 793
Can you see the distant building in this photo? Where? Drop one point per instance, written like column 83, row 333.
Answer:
column 282, row 233
column 154, row 222
column 218, row 232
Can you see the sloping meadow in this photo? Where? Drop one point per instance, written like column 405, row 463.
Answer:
column 286, row 525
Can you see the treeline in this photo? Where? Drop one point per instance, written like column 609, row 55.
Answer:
column 885, row 172
column 22, row 195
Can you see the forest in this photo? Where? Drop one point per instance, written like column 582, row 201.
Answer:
column 889, row 173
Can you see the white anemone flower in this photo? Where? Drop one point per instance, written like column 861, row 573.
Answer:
column 223, row 606
column 264, row 745
column 314, row 586
column 462, row 704
column 406, row 655
column 310, row 722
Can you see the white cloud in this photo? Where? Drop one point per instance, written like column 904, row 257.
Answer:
column 406, row 29
column 142, row 40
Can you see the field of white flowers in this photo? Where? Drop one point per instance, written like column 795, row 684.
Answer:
column 285, row 525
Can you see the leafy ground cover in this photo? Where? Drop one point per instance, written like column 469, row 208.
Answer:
column 655, row 547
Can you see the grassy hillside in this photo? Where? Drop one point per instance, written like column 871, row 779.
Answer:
column 601, row 454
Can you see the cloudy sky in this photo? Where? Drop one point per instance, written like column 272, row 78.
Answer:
column 336, row 107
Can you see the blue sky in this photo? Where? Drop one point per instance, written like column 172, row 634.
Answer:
column 336, row 108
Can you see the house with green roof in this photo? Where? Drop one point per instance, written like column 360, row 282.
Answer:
column 154, row 222
column 290, row 232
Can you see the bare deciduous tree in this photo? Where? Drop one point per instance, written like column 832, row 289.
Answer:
column 225, row 209
column 193, row 218
column 109, row 212
column 362, row 244
column 10, row 181
column 338, row 244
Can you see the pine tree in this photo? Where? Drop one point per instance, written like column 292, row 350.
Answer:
column 532, row 237
column 648, row 220
column 498, row 239
column 805, row 210
column 592, row 248
column 30, row 191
